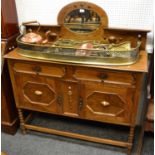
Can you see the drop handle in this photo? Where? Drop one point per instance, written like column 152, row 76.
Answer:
column 105, row 103
column 38, row 92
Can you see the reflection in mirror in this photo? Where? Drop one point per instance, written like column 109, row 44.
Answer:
column 82, row 21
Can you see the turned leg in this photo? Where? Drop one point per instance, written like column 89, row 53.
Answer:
column 21, row 118
column 130, row 139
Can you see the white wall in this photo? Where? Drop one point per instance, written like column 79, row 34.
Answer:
column 122, row 13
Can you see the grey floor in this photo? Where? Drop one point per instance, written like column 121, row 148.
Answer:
column 35, row 143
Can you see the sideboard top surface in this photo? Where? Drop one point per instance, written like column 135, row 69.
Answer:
column 140, row 66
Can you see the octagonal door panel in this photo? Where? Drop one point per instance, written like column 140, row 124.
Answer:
column 36, row 92
column 108, row 103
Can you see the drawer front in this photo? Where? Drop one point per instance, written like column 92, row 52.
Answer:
column 38, row 68
column 101, row 75
column 36, row 93
column 108, row 103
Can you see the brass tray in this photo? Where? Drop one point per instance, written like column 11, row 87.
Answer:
column 68, row 51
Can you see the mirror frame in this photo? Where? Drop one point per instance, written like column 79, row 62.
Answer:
column 96, row 34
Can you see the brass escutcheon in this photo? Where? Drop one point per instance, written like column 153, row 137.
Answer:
column 37, row 92
column 105, row 103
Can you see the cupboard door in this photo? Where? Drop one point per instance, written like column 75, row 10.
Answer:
column 108, row 103
column 36, row 92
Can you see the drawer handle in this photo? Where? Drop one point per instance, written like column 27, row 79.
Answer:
column 38, row 93
column 37, row 69
column 105, row 103
column 103, row 76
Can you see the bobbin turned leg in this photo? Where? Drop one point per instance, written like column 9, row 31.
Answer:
column 22, row 123
column 130, row 139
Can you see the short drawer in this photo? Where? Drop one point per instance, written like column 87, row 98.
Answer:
column 100, row 75
column 38, row 68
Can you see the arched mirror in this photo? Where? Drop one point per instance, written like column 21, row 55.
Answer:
column 82, row 20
